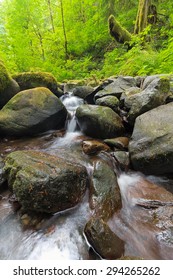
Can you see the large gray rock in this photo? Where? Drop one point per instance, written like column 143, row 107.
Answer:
column 151, row 146
column 99, row 122
column 45, row 183
column 109, row 101
column 117, row 87
column 152, row 96
column 103, row 240
column 32, row 111
column 105, row 197
column 82, row 91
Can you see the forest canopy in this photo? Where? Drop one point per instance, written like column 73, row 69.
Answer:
column 71, row 38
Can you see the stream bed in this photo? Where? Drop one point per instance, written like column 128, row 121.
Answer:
column 145, row 221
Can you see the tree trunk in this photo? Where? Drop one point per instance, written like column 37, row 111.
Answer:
column 51, row 15
column 120, row 34
column 142, row 16
column 64, row 31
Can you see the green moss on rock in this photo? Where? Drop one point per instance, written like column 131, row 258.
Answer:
column 4, row 77
column 28, row 80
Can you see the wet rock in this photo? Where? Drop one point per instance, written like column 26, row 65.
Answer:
column 109, row 101
column 82, row 91
column 45, row 183
column 117, row 87
column 91, row 147
column 122, row 159
column 120, row 143
column 152, row 141
column 105, row 197
column 28, row 80
column 99, row 122
column 106, row 243
column 151, row 97
column 32, row 111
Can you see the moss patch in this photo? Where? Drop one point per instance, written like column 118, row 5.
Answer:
column 4, row 77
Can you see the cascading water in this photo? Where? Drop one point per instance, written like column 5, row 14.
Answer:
column 71, row 103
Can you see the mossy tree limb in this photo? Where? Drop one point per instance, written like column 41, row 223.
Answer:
column 120, row 34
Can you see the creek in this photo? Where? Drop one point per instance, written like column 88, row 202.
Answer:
column 145, row 221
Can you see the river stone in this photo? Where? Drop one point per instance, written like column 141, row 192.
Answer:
column 32, row 111
column 45, row 183
column 82, row 91
column 105, row 197
column 122, row 158
column 28, row 80
column 103, row 240
column 151, row 145
column 91, row 147
column 109, row 101
column 99, row 121
column 151, row 97
column 116, row 88
column 120, row 143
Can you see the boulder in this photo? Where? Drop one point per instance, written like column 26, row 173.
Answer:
column 28, row 80
column 45, row 183
column 99, row 121
column 152, row 96
column 151, row 145
column 82, row 91
column 32, row 111
column 103, row 240
column 117, row 87
column 119, row 143
column 105, row 197
column 109, row 101
column 92, row 147
column 8, row 87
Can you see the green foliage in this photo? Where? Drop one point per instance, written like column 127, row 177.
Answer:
column 32, row 38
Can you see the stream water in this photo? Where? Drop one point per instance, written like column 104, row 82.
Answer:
column 145, row 222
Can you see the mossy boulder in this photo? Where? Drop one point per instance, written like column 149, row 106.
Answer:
column 8, row 87
column 105, row 197
column 32, row 111
column 45, row 183
column 28, row 80
column 109, row 101
column 99, row 121
column 151, row 145
column 103, row 240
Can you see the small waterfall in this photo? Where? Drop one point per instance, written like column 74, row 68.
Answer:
column 71, row 103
